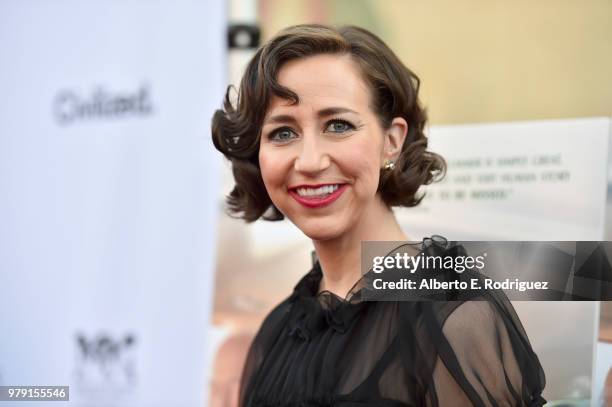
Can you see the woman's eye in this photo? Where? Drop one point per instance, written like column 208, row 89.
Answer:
column 339, row 126
column 282, row 135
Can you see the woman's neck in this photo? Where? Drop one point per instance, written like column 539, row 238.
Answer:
column 340, row 258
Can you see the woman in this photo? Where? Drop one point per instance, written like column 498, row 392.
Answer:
column 327, row 131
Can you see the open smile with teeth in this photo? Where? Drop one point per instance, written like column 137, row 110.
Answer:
column 319, row 192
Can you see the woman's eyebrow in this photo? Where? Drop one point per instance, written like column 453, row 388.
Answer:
column 280, row 118
column 328, row 111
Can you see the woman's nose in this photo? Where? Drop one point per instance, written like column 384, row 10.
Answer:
column 311, row 158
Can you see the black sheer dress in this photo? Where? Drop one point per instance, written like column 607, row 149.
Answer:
column 317, row 349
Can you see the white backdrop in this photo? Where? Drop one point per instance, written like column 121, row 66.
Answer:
column 107, row 197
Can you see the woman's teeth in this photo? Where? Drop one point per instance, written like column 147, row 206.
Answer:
column 320, row 191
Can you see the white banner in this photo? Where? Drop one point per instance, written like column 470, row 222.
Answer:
column 543, row 180
column 107, row 205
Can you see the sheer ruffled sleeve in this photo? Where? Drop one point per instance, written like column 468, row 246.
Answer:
column 471, row 350
column 483, row 356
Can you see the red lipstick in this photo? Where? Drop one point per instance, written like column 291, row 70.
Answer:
column 317, row 202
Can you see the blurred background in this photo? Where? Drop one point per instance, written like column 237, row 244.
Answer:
column 120, row 274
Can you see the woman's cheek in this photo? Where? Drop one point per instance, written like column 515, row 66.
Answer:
column 368, row 163
column 267, row 170
column 273, row 172
column 367, row 171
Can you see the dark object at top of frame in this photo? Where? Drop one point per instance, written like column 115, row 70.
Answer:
column 243, row 36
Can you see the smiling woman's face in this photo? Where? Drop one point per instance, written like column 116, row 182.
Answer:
column 320, row 159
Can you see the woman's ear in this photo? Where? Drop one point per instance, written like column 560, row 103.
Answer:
column 394, row 139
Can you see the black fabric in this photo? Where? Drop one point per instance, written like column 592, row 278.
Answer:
column 317, row 349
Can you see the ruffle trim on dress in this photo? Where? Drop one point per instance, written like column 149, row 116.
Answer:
column 312, row 312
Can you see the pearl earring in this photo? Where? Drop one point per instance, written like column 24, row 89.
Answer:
column 389, row 165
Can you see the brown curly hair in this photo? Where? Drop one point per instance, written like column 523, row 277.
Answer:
column 237, row 128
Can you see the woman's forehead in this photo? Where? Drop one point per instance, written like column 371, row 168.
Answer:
column 320, row 82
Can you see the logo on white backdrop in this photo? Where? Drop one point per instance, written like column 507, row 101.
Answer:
column 101, row 103
column 106, row 362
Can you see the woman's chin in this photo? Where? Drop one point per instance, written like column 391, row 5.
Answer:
column 321, row 232
column 330, row 226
